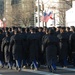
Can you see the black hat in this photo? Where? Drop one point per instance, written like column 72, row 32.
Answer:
column 62, row 28
column 23, row 29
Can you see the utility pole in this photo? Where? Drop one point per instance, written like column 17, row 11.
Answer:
column 38, row 14
column 42, row 12
column 34, row 13
column 54, row 20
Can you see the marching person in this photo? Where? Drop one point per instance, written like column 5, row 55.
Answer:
column 33, row 43
column 72, row 44
column 17, row 49
column 1, row 53
column 5, row 50
column 50, row 45
column 40, row 34
column 63, row 45
column 25, row 50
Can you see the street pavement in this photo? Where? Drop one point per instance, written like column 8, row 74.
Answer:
column 42, row 71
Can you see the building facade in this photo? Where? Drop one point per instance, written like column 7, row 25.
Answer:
column 15, row 10
column 64, row 6
column 7, row 12
column 70, row 15
column 1, row 8
column 58, row 7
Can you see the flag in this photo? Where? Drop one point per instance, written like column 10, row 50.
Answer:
column 50, row 15
column 46, row 16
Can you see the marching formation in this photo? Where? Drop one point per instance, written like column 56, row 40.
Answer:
column 32, row 47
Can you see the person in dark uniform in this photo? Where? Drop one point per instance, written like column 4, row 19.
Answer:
column 17, row 49
column 72, row 44
column 12, row 31
column 5, row 48
column 58, row 30
column 63, row 44
column 1, row 53
column 40, row 34
column 68, row 32
column 25, row 50
column 50, row 45
column 32, row 40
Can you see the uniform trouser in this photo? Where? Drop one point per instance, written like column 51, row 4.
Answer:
column 10, row 64
column 73, row 56
column 2, row 63
column 63, row 61
column 52, row 62
column 74, row 61
column 24, row 62
column 35, row 63
column 18, row 63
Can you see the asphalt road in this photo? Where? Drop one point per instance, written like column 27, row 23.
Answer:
column 60, row 71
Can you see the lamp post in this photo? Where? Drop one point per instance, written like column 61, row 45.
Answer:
column 54, row 20
column 54, row 14
column 4, row 22
column 38, row 14
column 34, row 14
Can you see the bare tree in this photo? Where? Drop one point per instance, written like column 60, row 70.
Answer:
column 23, row 14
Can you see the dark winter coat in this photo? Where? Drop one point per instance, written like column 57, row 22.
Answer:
column 25, row 46
column 50, row 44
column 16, row 47
column 72, row 42
column 1, row 53
column 63, row 45
column 33, row 46
column 5, row 47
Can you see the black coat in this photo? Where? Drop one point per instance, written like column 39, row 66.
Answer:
column 5, row 47
column 11, row 46
column 63, row 45
column 40, row 35
column 69, row 44
column 16, row 47
column 72, row 42
column 50, row 43
column 1, row 53
column 25, row 46
column 41, row 55
column 33, row 43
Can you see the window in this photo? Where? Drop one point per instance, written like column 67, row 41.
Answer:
column 35, row 8
column 15, row 1
column 36, row 19
column 40, row 7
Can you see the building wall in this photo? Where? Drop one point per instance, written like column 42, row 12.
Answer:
column 1, row 8
column 10, row 7
column 8, row 12
column 59, row 7
column 64, row 6
column 70, row 16
column 47, row 6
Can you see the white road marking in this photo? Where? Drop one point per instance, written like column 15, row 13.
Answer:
column 39, row 72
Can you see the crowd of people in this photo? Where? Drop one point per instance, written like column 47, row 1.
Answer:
column 32, row 47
